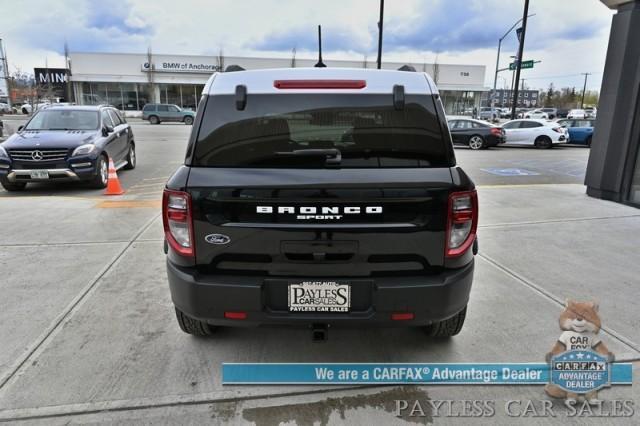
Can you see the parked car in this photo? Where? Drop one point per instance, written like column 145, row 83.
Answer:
column 67, row 143
column 562, row 113
column 475, row 134
column 157, row 113
column 5, row 108
column 536, row 114
column 539, row 133
column 577, row 113
column 320, row 197
column 552, row 113
column 580, row 131
column 505, row 112
column 28, row 108
column 591, row 112
column 489, row 114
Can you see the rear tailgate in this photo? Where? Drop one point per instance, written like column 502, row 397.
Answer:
column 318, row 222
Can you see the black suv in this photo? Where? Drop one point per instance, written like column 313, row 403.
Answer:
column 320, row 197
column 62, row 143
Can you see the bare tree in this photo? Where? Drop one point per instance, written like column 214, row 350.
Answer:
column 67, row 65
column 436, row 70
column 220, row 60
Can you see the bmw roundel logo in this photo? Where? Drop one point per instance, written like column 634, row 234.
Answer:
column 146, row 65
column 217, row 239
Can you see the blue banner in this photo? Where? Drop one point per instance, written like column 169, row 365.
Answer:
column 410, row 373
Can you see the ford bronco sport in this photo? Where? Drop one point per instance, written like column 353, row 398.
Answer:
column 318, row 197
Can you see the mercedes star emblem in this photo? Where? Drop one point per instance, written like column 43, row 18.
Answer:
column 37, row 155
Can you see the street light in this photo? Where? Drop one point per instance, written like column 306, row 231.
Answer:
column 495, row 79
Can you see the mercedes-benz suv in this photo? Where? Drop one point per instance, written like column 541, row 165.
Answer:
column 67, row 143
column 317, row 197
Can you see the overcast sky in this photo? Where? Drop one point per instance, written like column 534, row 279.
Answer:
column 568, row 36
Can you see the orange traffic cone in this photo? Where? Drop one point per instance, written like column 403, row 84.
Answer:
column 113, row 184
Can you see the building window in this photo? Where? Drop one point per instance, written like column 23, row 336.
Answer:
column 170, row 94
column 129, row 97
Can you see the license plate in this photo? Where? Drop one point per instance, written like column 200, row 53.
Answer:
column 319, row 296
column 39, row 174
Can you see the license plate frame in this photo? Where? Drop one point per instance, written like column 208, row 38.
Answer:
column 39, row 174
column 319, row 296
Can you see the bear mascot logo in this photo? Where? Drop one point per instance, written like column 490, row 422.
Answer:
column 580, row 325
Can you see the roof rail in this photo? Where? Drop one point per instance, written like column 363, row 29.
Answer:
column 407, row 67
column 232, row 68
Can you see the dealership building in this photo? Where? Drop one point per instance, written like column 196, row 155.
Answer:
column 129, row 81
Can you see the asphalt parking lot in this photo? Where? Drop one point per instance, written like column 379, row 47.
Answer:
column 89, row 333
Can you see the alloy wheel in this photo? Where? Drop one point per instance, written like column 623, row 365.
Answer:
column 104, row 171
column 476, row 142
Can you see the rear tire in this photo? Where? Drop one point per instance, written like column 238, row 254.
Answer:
column 188, row 120
column 14, row 186
column 102, row 174
column 449, row 327
column 153, row 119
column 131, row 158
column 193, row 326
column 477, row 142
column 543, row 142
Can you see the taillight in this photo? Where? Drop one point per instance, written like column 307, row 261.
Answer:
column 462, row 222
column 177, row 220
column 496, row 131
column 558, row 129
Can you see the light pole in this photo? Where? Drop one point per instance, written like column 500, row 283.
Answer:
column 584, row 88
column 495, row 79
column 521, row 37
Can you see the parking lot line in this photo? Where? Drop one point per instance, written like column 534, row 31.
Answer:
column 157, row 402
column 41, row 342
column 128, row 204
column 558, row 301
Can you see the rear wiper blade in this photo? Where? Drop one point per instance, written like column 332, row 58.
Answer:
column 332, row 155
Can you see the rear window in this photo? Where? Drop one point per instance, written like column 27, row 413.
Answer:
column 149, row 107
column 303, row 131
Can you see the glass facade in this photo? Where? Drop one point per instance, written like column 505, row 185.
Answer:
column 134, row 96
column 460, row 102
column 183, row 95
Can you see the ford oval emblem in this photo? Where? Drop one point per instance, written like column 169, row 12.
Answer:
column 217, row 239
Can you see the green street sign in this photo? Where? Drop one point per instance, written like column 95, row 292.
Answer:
column 524, row 65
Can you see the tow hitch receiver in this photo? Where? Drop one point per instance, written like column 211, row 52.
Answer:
column 319, row 332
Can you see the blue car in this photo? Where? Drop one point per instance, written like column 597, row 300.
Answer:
column 580, row 130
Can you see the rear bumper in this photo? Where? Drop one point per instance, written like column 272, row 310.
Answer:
column 429, row 298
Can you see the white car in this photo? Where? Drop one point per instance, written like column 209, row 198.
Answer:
column 577, row 113
column 591, row 112
column 535, row 132
column 28, row 108
column 4, row 108
column 536, row 114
